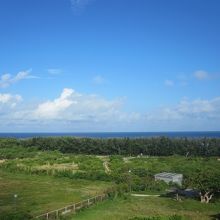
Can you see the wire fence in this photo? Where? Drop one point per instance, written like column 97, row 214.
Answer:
column 73, row 208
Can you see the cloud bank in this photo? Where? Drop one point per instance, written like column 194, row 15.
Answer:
column 74, row 111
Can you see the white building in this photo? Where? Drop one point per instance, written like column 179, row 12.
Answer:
column 170, row 177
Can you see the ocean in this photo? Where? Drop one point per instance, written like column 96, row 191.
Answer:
column 187, row 134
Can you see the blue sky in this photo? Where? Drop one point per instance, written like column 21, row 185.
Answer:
column 109, row 65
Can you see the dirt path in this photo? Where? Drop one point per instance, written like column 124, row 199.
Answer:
column 105, row 160
column 127, row 159
column 2, row 161
column 106, row 167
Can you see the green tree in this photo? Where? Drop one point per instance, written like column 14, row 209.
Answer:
column 207, row 182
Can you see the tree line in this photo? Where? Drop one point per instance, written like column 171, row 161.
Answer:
column 158, row 146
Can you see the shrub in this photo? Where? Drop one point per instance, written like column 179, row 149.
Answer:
column 21, row 215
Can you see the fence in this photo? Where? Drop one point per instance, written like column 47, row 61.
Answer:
column 72, row 208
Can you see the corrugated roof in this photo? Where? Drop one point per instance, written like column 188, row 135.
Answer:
column 167, row 175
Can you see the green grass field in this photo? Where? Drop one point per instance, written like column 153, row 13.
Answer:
column 38, row 194
column 120, row 209
column 45, row 181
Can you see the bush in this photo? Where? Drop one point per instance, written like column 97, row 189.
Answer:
column 98, row 175
column 21, row 215
column 173, row 217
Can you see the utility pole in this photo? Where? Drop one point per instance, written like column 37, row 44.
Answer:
column 15, row 201
column 129, row 180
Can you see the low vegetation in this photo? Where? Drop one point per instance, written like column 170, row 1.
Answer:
column 150, row 208
column 37, row 194
column 44, row 177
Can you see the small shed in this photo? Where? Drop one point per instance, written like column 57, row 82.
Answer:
column 170, row 177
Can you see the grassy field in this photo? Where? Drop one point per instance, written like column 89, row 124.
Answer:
column 120, row 209
column 177, row 164
column 48, row 180
column 38, row 194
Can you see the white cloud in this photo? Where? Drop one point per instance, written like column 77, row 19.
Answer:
column 169, row 83
column 195, row 115
column 201, row 75
column 79, row 5
column 73, row 106
column 196, row 109
column 98, row 80
column 9, row 100
column 7, row 79
column 54, row 71
column 73, row 111
column 52, row 109
column 184, row 80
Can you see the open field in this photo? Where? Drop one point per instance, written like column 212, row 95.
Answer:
column 49, row 180
column 38, row 194
column 177, row 164
column 120, row 209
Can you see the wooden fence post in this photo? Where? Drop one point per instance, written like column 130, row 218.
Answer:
column 74, row 207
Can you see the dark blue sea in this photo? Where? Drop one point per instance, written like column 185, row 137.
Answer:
column 200, row 134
